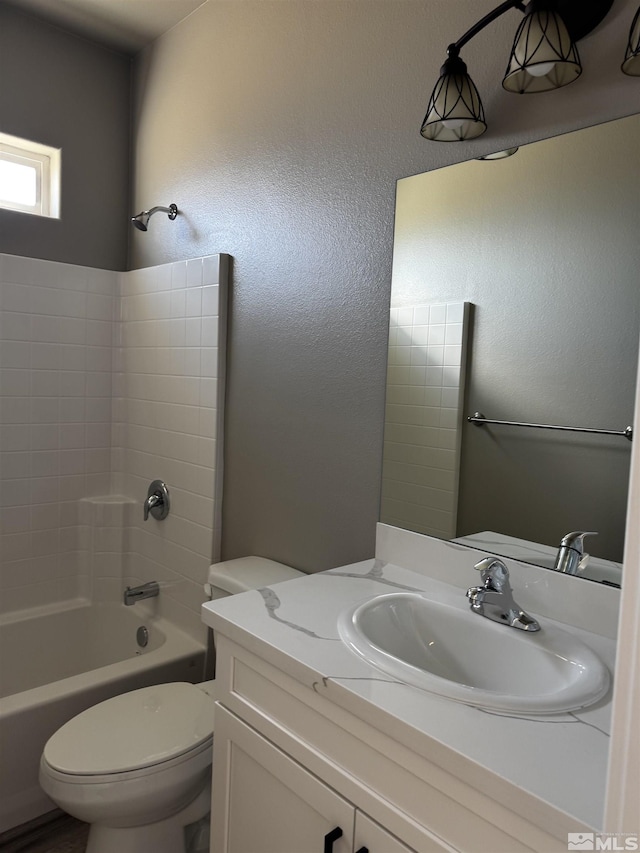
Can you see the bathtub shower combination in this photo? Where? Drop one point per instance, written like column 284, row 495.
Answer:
column 107, row 358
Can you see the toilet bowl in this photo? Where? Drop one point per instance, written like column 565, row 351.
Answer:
column 137, row 767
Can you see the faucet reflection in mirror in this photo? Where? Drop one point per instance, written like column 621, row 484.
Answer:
column 553, row 339
column 572, row 557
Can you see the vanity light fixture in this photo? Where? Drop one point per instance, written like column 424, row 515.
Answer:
column 631, row 64
column 544, row 56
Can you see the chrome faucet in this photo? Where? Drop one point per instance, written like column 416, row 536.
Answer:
column 494, row 599
column 137, row 593
column 571, row 557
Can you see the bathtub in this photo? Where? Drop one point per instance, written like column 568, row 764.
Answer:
column 52, row 666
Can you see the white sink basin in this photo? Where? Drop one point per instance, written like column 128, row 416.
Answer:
column 462, row 656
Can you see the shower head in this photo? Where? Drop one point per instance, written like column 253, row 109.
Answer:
column 141, row 220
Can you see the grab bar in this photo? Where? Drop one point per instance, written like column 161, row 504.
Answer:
column 479, row 419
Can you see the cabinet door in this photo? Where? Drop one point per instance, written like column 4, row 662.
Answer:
column 264, row 802
column 370, row 837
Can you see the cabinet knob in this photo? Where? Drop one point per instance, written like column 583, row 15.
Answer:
column 330, row 837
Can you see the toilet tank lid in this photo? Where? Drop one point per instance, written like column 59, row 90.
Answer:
column 246, row 573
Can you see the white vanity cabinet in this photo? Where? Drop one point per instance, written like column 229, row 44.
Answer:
column 268, row 803
column 290, row 767
column 370, row 837
column 265, row 801
column 310, row 737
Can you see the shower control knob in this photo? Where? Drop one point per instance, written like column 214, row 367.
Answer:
column 157, row 502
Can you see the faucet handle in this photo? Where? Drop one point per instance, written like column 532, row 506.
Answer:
column 494, row 574
column 151, row 501
column 571, row 557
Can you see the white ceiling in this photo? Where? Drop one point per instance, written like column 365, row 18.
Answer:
column 126, row 25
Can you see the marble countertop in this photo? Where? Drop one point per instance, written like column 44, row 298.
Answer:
column 560, row 759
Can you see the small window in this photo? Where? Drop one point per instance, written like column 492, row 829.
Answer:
column 29, row 176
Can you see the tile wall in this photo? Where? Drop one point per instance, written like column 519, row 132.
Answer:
column 107, row 382
column 104, row 522
column 55, row 422
column 423, row 419
column 167, row 413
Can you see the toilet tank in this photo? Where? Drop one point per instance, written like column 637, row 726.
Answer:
column 245, row 573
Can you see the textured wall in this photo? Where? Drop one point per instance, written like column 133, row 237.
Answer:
column 280, row 128
column 70, row 93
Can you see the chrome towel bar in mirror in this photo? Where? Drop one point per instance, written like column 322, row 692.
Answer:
column 479, row 419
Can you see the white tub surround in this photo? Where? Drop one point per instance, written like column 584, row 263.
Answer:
column 107, row 382
column 169, row 378
column 78, row 657
column 56, row 324
column 103, row 537
column 439, row 775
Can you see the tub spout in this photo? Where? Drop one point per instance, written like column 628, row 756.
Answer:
column 137, row 593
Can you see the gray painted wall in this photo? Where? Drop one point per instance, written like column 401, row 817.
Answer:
column 545, row 245
column 280, row 128
column 65, row 91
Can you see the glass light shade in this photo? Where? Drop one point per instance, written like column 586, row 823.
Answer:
column 543, row 56
column 631, row 64
column 455, row 110
column 499, row 155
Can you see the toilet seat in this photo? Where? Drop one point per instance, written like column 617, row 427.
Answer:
column 182, row 766
column 135, row 734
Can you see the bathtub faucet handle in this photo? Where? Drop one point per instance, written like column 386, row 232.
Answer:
column 157, row 501
column 149, row 504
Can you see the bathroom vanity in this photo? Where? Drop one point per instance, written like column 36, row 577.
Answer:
column 317, row 750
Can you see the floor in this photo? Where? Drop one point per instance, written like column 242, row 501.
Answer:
column 55, row 832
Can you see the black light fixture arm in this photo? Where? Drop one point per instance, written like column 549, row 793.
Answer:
column 455, row 48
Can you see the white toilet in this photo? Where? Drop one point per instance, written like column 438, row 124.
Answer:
column 137, row 767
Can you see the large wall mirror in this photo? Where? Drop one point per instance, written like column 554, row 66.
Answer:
column 516, row 293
